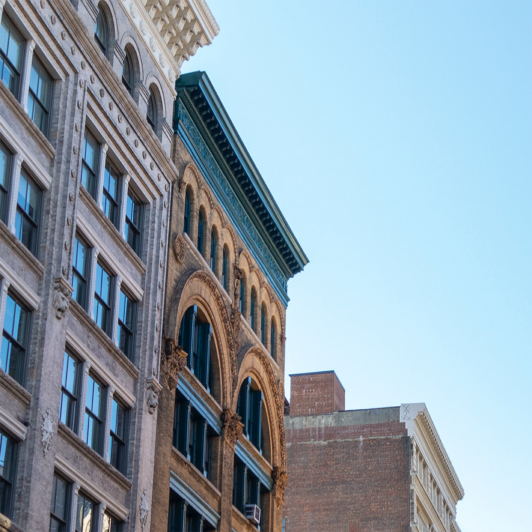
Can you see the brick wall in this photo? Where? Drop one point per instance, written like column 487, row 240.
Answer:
column 316, row 393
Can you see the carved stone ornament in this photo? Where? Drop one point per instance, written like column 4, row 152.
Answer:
column 280, row 479
column 173, row 362
column 239, row 274
column 144, row 508
column 47, row 431
column 152, row 397
column 61, row 297
column 181, row 184
column 178, row 247
column 232, row 427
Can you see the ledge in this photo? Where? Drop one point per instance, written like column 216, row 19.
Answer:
column 240, row 518
column 73, row 439
column 21, row 250
column 16, row 389
column 78, row 312
column 88, row 200
column 7, row 525
column 37, row 134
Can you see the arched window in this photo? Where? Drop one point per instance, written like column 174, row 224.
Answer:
column 263, row 324
column 201, row 227
column 151, row 115
column 186, row 224
column 249, row 408
column 225, row 271
column 128, row 73
column 101, row 31
column 252, row 308
column 273, row 336
column 242, row 294
column 213, row 249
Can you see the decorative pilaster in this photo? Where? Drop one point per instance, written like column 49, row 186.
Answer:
column 101, row 172
column 26, row 74
column 13, row 192
column 280, row 479
column 232, row 427
column 173, row 362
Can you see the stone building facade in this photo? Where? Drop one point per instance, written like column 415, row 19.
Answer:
column 221, row 460
column 375, row 470
column 86, row 185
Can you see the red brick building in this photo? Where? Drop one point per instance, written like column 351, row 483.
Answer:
column 375, row 470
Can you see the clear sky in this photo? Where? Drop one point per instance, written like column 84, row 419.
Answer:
column 396, row 137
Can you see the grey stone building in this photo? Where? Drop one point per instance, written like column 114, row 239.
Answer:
column 86, row 105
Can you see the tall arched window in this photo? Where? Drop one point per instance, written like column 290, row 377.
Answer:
column 151, row 115
column 242, row 293
column 263, row 324
column 186, row 224
column 252, row 308
column 201, row 228
column 101, row 31
column 213, row 249
column 128, row 73
column 273, row 336
column 225, row 271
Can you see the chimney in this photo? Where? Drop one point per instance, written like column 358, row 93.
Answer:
column 316, row 393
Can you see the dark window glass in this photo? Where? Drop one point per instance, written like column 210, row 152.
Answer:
column 89, row 166
column 11, row 46
column 273, row 336
column 127, row 73
column 7, row 472
column 186, row 225
column 85, row 516
column 27, row 217
column 201, row 228
column 263, row 324
column 110, row 524
column 126, row 316
column 101, row 32
column 110, row 193
column 94, row 410
column 181, row 425
column 5, row 180
column 133, row 222
column 40, row 95
column 102, row 299
column 242, row 294
column 213, row 249
column 80, row 271
column 252, row 308
column 59, row 507
column 69, row 392
column 151, row 115
column 117, row 437
column 225, row 264
column 14, row 340
column 249, row 407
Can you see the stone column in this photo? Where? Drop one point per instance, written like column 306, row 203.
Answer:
column 13, row 192
column 26, row 74
column 124, row 187
column 101, row 170
column 115, row 308
column 83, row 399
column 5, row 284
column 92, row 282
column 107, row 424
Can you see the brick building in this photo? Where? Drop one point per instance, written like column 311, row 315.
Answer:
column 375, row 470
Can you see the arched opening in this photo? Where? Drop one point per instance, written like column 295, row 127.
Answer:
column 252, row 309
column 128, row 72
column 187, row 213
column 225, row 269
column 214, row 245
column 263, row 312
column 201, row 231
column 151, row 113
column 196, row 339
column 273, row 339
column 101, row 30
column 242, row 302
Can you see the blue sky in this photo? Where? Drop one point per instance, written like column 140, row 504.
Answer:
column 396, row 136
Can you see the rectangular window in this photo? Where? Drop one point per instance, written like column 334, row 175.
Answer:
column 117, row 437
column 89, row 166
column 133, row 222
column 85, row 514
column 80, row 272
column 181, row 424
column 28, row 210
column 15, row 338
column 7, row 472
column 110, row 193
column 11, row 47
column 102, row 299
column 5, row 180
column 59, row 507
column 110, row 524
column 40, row 95
column 69, row 392
column 126, row 317
column 94, row 415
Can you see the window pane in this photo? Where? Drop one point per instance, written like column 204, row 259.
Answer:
column 40, row 92
column 84, row 513
column 100, row 31
column 79, row 271
column 26, row 220
column 110, row 193
column 90, row 163
column 14, row 339
column 11, row 44
column 5, row 166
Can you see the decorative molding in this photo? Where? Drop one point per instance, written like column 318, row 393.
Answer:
column 152, row 395
column 280, row 480
column 178, row 247
column 232, row 427
column 144, row 508
column 173, row 362
column 60, row 302
column 20, row 286
column 47, row 431
column 13, row 387
column 12, row 424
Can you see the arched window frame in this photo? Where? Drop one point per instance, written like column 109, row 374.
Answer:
column 273, row 339
column 263, row 313
column 187, row 213
column 128, row 73
column 225, row 270
column 242, row 302
column 214, row 245
column 101, row 30
column 152, row 111
column 201, row 232
column 252, row 308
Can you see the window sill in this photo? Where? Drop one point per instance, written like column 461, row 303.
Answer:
column 16, row 389
column 239, row 517
column 6, row 525
column 38, row 135
column 71, row 437
column 78, row 312
column 21, row 250
column 112, row 230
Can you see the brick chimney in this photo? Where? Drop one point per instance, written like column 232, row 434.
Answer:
column 316, row 393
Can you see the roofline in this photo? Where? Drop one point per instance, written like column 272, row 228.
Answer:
column 319, row 373
column 201, row 80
